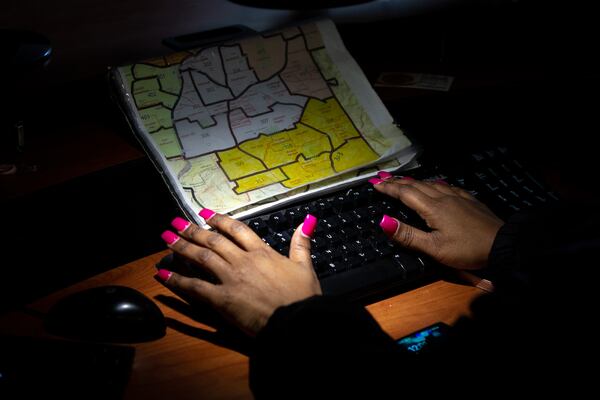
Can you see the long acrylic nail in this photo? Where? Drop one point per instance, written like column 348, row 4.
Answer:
column 163, row 275
column 180, row 224
column 309, row 225
column 375, row 181
column 206, row 213
column 385, row 175
column 389, row 225
column 169, row 237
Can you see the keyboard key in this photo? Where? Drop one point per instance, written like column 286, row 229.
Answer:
column 294, row 217
column 277, row 221
column 259, row 226
column 477, row 157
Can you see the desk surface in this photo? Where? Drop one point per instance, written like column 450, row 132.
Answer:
column 200, row 363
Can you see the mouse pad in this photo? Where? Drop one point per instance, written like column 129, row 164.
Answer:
column 63, row 369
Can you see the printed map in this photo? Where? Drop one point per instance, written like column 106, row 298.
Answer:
column 240, row 122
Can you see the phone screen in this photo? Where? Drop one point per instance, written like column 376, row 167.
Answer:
column 425, row 339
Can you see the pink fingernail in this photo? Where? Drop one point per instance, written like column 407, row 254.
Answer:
column 375, row 181
column 385, row 175
column 408, row 178
column 163, row 275
column 180, row 224
column 309, row 225
column 206, row 213
column 169, row 237
column 389, row 225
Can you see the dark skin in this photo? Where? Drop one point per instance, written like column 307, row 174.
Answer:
column 255, row 280
column 463, row 228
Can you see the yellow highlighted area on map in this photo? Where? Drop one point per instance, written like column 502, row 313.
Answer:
column 310, row 142
column 354, row 152
column 306, row 171
column 158, row 61
column 303, row 153
column 166, row 139
column 329, row 117
column 237, row 164
column 284, row 147
column 177, row 58
column 169, row 59
column 259, row 180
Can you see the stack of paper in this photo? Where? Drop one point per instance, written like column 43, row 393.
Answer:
column 247, row 125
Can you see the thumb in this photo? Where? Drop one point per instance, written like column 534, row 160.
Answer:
column 300, row 243
column 408, row 236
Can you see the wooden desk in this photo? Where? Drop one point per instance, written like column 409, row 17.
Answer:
column 181, row 366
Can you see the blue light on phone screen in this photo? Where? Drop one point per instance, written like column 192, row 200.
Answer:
column 418, row 340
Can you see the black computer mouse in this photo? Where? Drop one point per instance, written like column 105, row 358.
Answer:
column 23, row 50
column 107, row 314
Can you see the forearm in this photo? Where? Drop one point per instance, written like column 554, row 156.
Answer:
column 532, row 248
column 320, row 344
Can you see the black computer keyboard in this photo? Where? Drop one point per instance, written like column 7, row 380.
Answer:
column 353, row 257
column 496, row 177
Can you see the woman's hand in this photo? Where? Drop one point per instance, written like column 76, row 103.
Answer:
column 463, row 228
column 255, row 280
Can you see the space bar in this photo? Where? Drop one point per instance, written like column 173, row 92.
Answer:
column 359, row 279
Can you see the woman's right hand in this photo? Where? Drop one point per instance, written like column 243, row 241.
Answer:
column 462, row 228
column 253, row 279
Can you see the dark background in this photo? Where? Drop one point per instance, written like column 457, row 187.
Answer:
column 525, row 73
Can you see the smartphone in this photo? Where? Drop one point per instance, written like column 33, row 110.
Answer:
column 426, row 339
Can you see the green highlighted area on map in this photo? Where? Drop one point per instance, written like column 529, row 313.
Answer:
column 155, row 90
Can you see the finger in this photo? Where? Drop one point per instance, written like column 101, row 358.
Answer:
column 425, row 187
column 190, row 288
column 385, row 176
column 389, row 177
column 205, row 238
column 178, row 263
column 463, row 193
column 409, row 195
column 300, row 243
column 443, row 187
column 182, row 265
column 201, row 255
column 406, row 235
column 239, row 232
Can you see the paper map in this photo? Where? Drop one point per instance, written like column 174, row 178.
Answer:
column 241, row 122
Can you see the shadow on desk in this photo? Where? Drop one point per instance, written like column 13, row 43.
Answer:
column 69, row 232
column 224, row 335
